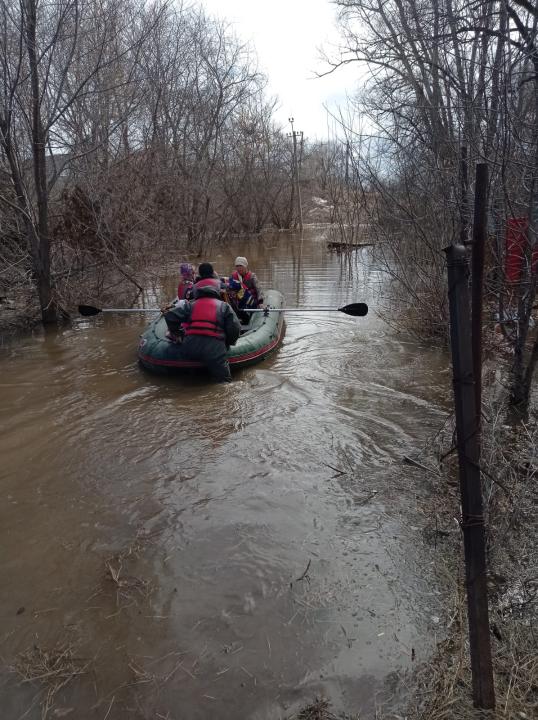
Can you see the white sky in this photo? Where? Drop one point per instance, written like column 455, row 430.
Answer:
column 287, row 35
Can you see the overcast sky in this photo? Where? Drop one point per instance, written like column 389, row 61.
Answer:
column 287, row 35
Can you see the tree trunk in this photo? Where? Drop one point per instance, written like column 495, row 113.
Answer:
column 525, row 361
column 39, row 240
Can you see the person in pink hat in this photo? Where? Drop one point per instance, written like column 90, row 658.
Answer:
column 184, row 289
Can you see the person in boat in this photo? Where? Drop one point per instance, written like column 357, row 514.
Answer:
column 208, row 325
column 243, row 289
column 184, row 289
column 223, row 283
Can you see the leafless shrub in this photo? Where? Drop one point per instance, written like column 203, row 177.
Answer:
column 451, row 85
column 128, row 126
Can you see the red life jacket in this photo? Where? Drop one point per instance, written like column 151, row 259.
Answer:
column 245, row 282
column 205, row 318
column 183, row 288
column 208, row 282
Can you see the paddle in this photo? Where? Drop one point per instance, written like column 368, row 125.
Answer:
column 355, row 309
column 88, row 310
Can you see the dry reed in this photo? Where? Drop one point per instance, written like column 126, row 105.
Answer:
column 53, row 669
column 318, row 710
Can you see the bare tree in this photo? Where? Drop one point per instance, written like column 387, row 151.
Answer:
column 128, row 128
column 447, row 74
column 41, row 46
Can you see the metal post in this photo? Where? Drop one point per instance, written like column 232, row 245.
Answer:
column 470, row 485
column 477, row 280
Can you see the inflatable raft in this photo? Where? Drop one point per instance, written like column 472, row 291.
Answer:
column 258, row 339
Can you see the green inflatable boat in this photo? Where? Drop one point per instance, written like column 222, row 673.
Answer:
column 258, row 339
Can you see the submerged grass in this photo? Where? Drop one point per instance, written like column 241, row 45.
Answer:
column 51, row 668
column 317, row 710
column 128, row 588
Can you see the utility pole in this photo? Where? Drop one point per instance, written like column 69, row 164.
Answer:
column 294, row 135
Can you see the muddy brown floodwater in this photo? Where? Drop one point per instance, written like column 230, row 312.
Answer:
column 156, row 531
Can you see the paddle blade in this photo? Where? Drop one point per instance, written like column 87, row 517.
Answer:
column 88, row 310
column 355, row 309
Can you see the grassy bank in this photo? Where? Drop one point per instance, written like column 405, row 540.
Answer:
column 510, row 474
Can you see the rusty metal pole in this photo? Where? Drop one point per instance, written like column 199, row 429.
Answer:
column 470, row 486
column 477, row 280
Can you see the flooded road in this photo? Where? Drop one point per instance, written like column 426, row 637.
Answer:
column 202, row 551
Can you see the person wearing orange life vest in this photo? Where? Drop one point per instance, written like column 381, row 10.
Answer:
column 208, row 324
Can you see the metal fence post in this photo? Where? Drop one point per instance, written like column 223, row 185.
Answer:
column 469, row 468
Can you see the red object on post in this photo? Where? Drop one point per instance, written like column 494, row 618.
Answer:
column 516, row 244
